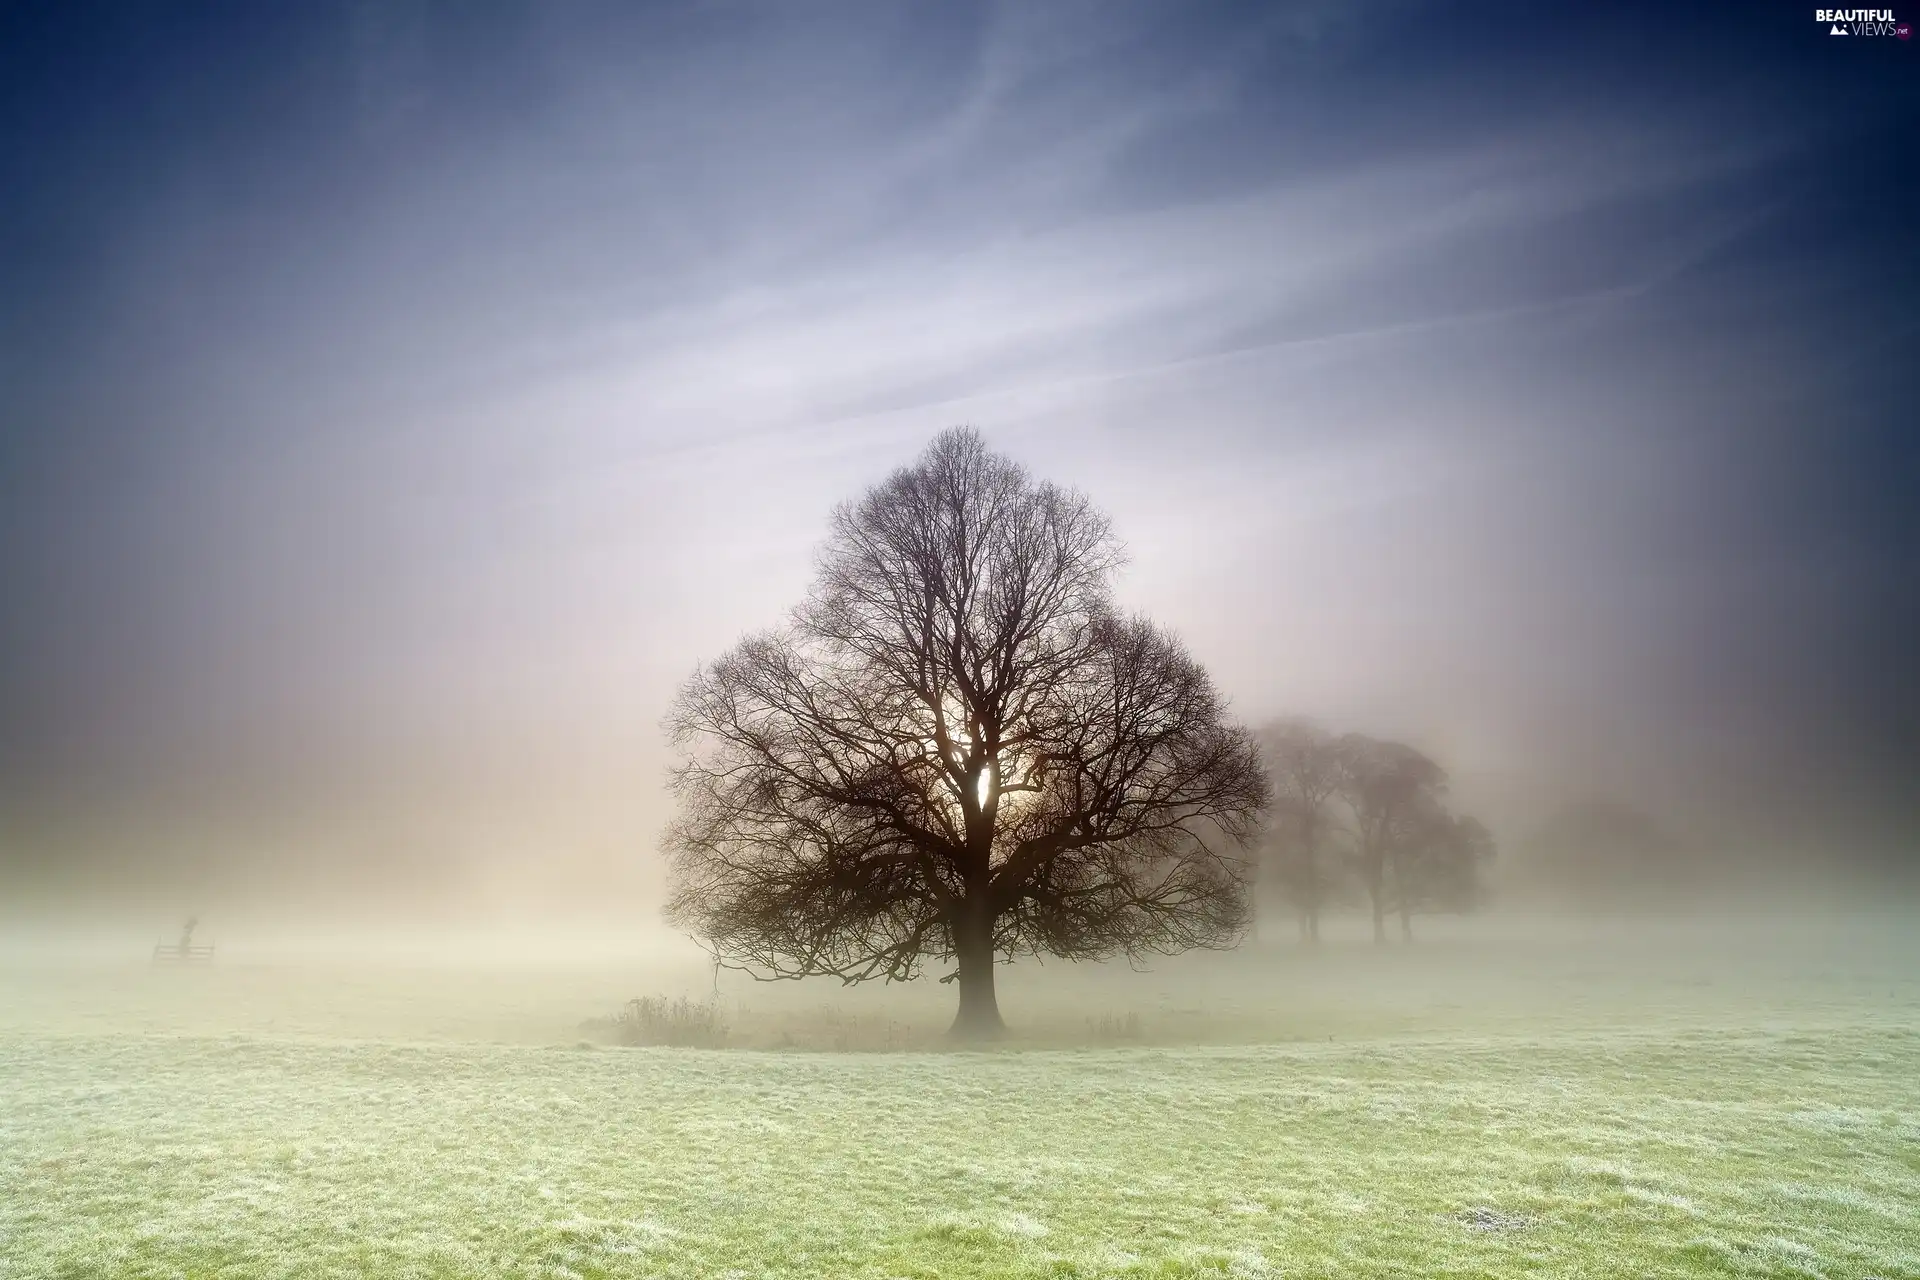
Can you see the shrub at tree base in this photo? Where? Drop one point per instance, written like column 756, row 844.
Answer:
column 682, row 1023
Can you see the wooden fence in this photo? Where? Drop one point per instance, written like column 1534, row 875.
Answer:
column 181, row 952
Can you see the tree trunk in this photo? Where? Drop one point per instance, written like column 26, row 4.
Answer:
column 1310, row 901
column 1402, row 900
column 1256, row 894
column 979, row 1015
column 1377, row 895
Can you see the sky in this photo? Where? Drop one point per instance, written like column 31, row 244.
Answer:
column 398, row 400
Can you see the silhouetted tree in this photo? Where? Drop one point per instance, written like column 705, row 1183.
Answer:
column 1307, row 766
column 957, row 749
column 1393, row 792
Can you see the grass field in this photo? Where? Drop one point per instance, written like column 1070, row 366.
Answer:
column 1459, row 1108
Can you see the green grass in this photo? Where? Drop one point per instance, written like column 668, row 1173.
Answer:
column 1770, row 1129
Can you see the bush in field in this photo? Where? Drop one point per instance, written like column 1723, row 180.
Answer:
column 681, row 1023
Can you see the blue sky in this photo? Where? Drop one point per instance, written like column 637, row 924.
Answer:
column 398, row 399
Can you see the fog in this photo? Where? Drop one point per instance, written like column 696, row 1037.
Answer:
column 706, row 638
column 1532, row 980
column 398, row 409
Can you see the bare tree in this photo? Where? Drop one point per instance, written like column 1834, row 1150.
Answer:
column 1436, row 858
column 1308, row 768
column 1393, row 792
column 956, row 749
column 1468, row 847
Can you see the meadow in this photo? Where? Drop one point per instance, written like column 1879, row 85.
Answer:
column 1737, row 1102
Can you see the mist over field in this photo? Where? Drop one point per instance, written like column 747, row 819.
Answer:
column 1689, row 1097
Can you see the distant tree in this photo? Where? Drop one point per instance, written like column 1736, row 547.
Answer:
column 1471, row 848
column 1606, row 853
column 1307, row 767
column 1438, row 863
column 1394, row 795
column 957, row 749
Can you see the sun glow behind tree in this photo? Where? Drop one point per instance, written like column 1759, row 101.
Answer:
column 959, row 749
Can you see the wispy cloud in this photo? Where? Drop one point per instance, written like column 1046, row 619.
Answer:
column 449, row 402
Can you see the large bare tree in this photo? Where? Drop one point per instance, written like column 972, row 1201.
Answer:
column 957, row 750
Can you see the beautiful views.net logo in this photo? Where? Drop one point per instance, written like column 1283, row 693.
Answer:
column 1862, row 22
